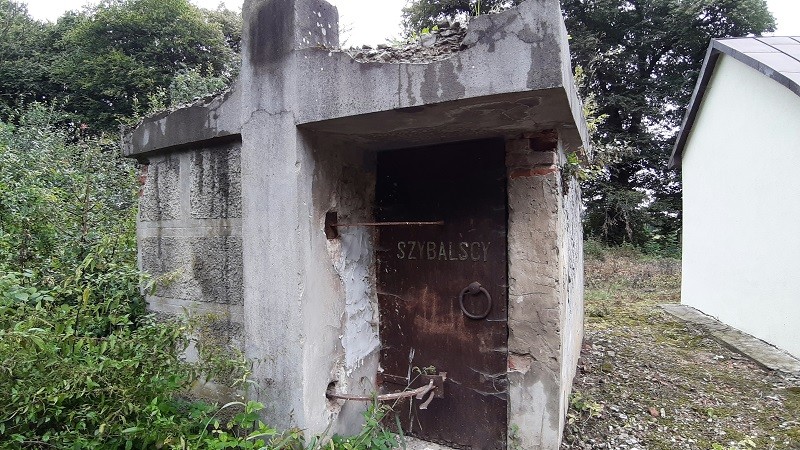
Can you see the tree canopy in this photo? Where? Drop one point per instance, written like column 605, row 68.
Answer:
column 418, row 15
column 103, row 65
column 24, row 58
column 639, row 61
column 642, row 59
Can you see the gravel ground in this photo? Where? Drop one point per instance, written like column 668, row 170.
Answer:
column 648, row 381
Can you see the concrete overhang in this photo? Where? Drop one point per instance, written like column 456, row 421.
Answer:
column 512, row 77
column 500, row 115
column 209, row 120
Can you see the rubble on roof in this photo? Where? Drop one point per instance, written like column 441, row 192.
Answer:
column 442, row 42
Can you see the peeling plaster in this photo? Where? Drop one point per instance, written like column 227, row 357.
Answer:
column 356, row 259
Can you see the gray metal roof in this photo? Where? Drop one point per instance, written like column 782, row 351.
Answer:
column 776, row 57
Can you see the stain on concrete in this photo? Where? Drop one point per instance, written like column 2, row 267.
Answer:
column 271, row 31
column 440, row 82
column 216, row 189
column 160, row 198
column 203, row 269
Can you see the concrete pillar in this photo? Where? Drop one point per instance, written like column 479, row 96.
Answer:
column 280, row 289
column 542, row 296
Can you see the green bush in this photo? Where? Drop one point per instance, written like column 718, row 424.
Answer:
column 657, row 247
column 61, row 193
column 82, row 366
column 79, row 373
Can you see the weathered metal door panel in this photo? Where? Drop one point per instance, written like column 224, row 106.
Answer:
column 422, row 273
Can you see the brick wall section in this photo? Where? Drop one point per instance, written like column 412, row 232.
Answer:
column 533, row 155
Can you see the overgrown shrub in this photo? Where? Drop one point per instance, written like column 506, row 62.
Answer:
column 659, row 247
column 79, row 373
column 61, row 193
column 82, row 366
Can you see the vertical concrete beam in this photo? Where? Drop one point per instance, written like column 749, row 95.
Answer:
column 282, row 292
column 534, row 291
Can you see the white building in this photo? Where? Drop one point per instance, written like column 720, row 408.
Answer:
column 739, row 152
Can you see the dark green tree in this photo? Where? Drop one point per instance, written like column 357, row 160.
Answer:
column 113, row 56
column 25, row 57
column 640, row 60
column 111, row 62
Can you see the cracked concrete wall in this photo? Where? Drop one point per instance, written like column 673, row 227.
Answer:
column 189, row 234
column 327, row 304
column 344, row 182
column 290, row 292
column 543, row 224
column 238, row 187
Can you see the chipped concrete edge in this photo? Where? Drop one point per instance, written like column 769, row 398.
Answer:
column 211, row 118
column 762, row 353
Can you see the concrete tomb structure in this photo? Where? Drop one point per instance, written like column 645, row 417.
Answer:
column 370, row 227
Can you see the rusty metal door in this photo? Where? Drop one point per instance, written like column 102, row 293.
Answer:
column 442, row 289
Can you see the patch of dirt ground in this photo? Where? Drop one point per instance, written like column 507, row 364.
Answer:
column 648, row 381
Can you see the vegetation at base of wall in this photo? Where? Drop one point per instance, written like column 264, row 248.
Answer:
column 88, row 372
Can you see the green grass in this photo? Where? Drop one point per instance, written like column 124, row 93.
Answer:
column 638, row 360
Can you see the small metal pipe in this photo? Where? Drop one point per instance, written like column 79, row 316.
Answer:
column 384, row 224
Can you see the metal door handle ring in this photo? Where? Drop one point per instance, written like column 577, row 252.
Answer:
column 475, row 288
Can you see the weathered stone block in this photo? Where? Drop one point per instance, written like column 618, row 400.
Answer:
column 160, row 199
column 203, row 269
column 216, row 186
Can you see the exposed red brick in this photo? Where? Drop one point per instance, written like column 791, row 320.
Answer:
column 544, row 141
column 142, row 174
column 142, row 178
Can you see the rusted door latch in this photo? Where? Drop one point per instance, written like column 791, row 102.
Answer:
column 434, row 389
column 438, row 388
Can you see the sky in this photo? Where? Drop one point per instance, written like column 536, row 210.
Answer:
column 375, row 21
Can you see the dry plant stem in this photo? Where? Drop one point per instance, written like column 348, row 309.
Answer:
column 418, row 393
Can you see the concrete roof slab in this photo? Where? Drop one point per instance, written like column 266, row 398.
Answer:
column 513, row 76
column 502, row 115
column 206, row 120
